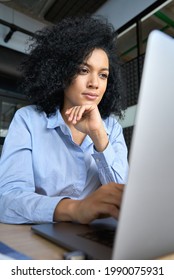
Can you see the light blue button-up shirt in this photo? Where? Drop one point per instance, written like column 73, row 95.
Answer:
column 40, row 165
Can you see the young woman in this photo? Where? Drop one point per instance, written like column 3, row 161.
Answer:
column 65, row 158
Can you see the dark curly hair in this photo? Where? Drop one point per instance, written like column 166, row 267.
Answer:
column 55, row 55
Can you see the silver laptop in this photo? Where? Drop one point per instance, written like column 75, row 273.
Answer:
column 145, row 229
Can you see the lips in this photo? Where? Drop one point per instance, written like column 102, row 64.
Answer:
column 90, row 95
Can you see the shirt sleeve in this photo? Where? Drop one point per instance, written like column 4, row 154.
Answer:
column 112, row 163
column 19, row 203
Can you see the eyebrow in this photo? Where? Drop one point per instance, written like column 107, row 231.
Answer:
column 102, row 69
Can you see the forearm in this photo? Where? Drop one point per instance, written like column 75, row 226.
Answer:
column 100, row 139
column 17, row 207
column 112, row 165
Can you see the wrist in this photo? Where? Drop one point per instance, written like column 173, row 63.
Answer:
column 66, row 210
column 100, row 140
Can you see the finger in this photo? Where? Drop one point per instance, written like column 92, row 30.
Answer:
column 77, row 112
column 71, row 116
column 109, row 197
column 119, row 187
column 109, row 210
column 77, row 115
column 115, row 185
column 112, row 187
column 80, row 113
column 68, row 111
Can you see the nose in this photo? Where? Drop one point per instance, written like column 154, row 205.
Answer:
column 93, row 81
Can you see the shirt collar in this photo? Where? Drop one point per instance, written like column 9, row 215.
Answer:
column 55, row 120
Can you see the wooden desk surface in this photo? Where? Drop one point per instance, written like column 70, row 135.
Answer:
column 24, row 240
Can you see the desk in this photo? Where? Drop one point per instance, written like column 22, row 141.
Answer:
column 24, row 240
column 21, row 238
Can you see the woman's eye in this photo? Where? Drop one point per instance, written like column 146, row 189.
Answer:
column 83, row 70
column 104, row 76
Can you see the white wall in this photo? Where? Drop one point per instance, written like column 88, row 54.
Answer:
column 129, row 118
column 120, row 12
column 18, row 41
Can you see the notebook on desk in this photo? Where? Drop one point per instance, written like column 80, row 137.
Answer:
column 145, row 229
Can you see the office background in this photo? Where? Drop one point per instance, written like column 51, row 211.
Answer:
column 133, row 20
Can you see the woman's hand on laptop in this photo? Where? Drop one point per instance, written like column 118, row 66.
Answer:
column 104, row 202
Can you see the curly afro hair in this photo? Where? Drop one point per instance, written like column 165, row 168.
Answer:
column 55, row 55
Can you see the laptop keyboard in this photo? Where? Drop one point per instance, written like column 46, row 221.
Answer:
column 105, row 237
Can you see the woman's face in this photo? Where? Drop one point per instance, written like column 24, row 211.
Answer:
column 89, row 85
